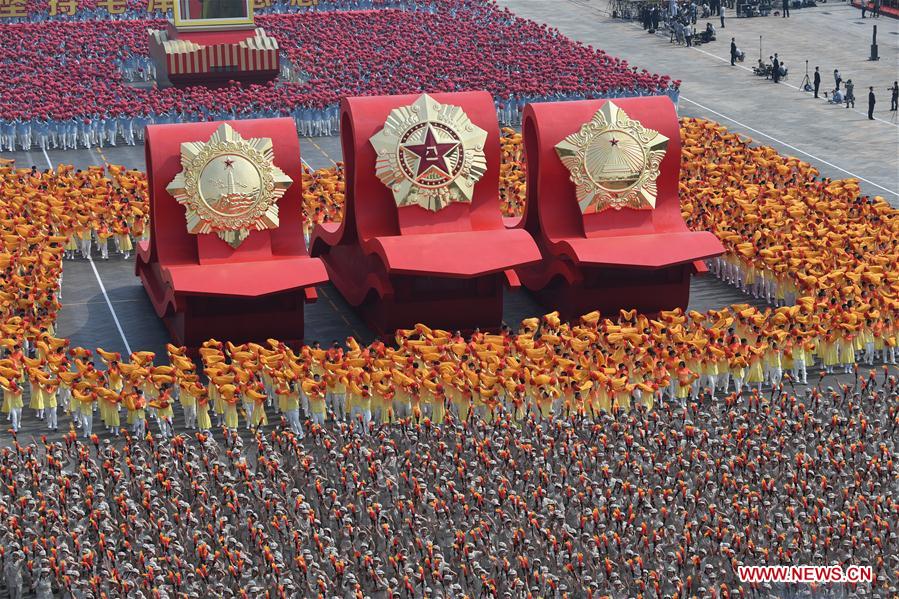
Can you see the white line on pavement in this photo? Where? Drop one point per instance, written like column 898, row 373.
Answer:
column 115, row 318
column 792, row 147
column 94, row 154
column 318, row 147
column 125, row 301
column 47, row 156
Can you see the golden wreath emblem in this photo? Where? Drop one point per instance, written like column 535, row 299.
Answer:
column 430, row 154
column 229, row 185
column 614, row 161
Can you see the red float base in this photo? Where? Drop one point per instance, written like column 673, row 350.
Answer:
column 390, row 302
column 217, row 80
column 612, row 289
column 192, row 319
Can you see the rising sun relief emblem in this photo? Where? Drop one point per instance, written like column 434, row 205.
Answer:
column 229, row 185
column 614, row 161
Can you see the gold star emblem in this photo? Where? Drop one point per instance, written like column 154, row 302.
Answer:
column 614, row 161
column 430, row 154
column 229, row 185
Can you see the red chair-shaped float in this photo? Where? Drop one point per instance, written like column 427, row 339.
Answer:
column 422, row 238
column 201, row 285
column 605, row 210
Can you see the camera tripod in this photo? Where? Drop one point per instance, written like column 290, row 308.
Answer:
column 806, row 84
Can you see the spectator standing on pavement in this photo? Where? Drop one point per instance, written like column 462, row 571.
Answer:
column 688, row 34
column 817, row 81
column 733, row 51
column 775, row 69
column 864, row 7
column 785, row 5
column 723, row 8
column 850, row 93
column 871, row 101
column 894, row 96
column 837, row 79
column 876, row 10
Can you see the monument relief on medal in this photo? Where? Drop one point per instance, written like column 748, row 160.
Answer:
column 614, row 161
column 229, row 185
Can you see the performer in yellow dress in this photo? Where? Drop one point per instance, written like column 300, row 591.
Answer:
column 123, row 238
column 12, row 401
column 229, row 400
column 187, row 397
column 204, row 423
column 138, row 415
column 291, row 394
column 259, row 417
column 36, row 399
column 737, row 365
column 86, row 402
column 829, row 350
column 49, row 389
column 383, row 397
column 756, row 374
column 164, row 412
column 315, row 390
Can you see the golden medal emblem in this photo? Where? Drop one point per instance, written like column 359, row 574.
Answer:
column 614, row 161
column 430, row 154
column 229, row 185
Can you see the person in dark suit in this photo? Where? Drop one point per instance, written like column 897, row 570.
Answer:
column 775, row 69
column 817, row 81
column 733, row 51
column 871, row 101
column 785, row 5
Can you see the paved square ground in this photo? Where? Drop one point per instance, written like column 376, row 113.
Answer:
column 839, row 142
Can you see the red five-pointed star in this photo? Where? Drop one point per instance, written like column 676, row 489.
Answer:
column 613, row 141
column 432, row 154
column 228, row 163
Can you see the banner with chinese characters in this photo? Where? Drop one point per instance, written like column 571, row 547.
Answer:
column 22, row 9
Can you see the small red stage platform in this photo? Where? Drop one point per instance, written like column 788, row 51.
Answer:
column 201, row 285
column 213, row 58
column 422, row 238
column 614, row 237
column 212, row 42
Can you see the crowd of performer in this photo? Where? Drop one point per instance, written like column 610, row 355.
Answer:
column 642, row 503
column 52, row 71
column 698, row 440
